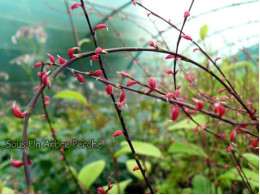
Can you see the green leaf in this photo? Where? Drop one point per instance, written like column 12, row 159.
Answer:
column 187, row 148
column 233, row 175
column 141, row 148
column 204, row 31
column 90, row 172
column 122, row 187
column 201, row 185
column 130, row 164
column 82, row 41
column 186, row 123
column 228, row 68
column 252, row 158
column 7, row 190
column 69, row 94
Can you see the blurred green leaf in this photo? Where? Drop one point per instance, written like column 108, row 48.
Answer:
column 73, row 170
column 254, row 159
column 228, row 68
column 141, row 148
column 7, row 190
column 233, row 175
column 69, row 94
column 82, row 41
column 186, row 123
column 90, row 172
column 122, row 187
column 130, row 164
column 201, row 185
column 204, row 31
column 187, row 148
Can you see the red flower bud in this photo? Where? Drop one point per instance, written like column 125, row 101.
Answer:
column 94, row 58
column 232, row 135
column 98, row 73
column 45, row 79
column 109, row 89
column 52, row 59
column 218, row 58
column 42, row 116
column 169, row 56
column 221, row 90
column 47, row 103
column 136, row 168
column 122, row 96
column 169, row 95
column 16, row 163
column 175, row 112
column 118, row 132
column 168, row 71
column 120, row 105
column 61, row 158
column 223, row 135
column 195, row 49
column 29, row 161
column 71, row 52
column 80, row 78
column 218, row 108
column 199, row 104
column 255, row 142
column 61, row 60
column 177, row 93
column 36, row 88
column 130, row 83
column 134, row 3
column 101, row 191
column 230, row 148
column 75, row 6
column 152, row 83
column 98, row 50
column 37, row 64
column 100, row 26
column 186, row 14
column 151, row 43
column 61, row 150
column 46, row 97
column 123, row 74
column 187, row 37
column 16, row 112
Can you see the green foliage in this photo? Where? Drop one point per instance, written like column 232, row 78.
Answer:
column 252, row 158
column 83, row 41
column 7, row 190
column 141, row 148
column 72, row 95
column 187, row 148
column 232, row 175
column 201, row 185
column 130, row 164
column 227, row 68
column 90, row 172
column 186, row 123
column 204, row 31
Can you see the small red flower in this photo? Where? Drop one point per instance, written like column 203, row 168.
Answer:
column 100, row 26
column 152, row 83
column 255, row 143
column 98, row 50
column 45, row 79
column 218, row 58
column 109, row 89
column 46, row 97
column 175, row 112
column 98, row 73
column 75, row 6
column 169, row 56
column 61, row 150
column 177, row 92
column 221, row 90
column 199, row 104
column 218, row 108
column 187, row 37
column 232, row 135
column 37, row 64
column 122, row 96
column 118, row 132
column 80, row 78
column 29, row 161
column 168, row 71
column 136, row 168
column 124, row 74
column 16, row 112
column 130, row 83
column 151, row 43
column 61, row 60
column 94, row 58
column 134, row 3
column 186, row 14
column 169, row 95
column 195, row 49
column 36, row 88
column 71, row 52
column 101, row 191
column 16, row 163
column 230, row 148
column 47, row 103
column 196, row 129
column 61, row 158
column 52, row 59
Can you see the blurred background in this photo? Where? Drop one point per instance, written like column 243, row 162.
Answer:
column 31, row 29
